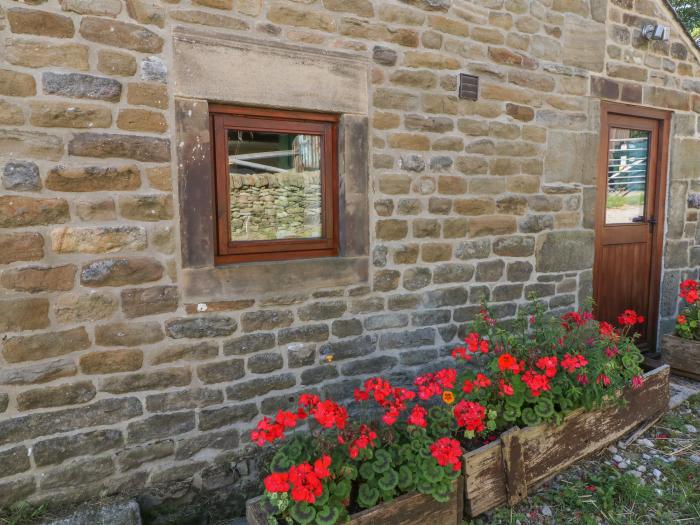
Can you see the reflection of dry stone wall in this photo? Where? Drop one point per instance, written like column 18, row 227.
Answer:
column 276, row 205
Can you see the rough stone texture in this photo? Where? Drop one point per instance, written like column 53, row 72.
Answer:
column 467, row 200
column 93, row 178
column 21, row 176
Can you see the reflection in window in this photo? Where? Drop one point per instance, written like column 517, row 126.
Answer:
column 627, row 175
column 275, row 184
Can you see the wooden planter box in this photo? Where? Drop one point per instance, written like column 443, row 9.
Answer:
column 409, row 509
column 503, row 471
column 682, row 355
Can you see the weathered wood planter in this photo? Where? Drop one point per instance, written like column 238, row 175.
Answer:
column 409, row 509
column 682, row 355
column 503, row 471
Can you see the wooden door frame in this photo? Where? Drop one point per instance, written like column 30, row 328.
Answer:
column 657, row 243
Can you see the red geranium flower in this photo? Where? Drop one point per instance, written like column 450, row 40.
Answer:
column 681, row 320
column 447, row 451
column 637, row 382
column 482, row 381
column 606, row 329
column 508, row 362
column 630, row 318
column 505, row 389
column 571, row 363
column 689, row 291
column 476, row 344
column 470, row 415
column 548, row 364
column 537, row 383
column 277, row 482
column 417, row 417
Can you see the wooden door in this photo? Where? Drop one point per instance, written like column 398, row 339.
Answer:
column 629, row 220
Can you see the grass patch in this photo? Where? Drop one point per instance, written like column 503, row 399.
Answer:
column 620, row 200
column 22, row 513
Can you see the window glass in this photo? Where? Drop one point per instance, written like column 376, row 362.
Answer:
column 275, row 185
column 627, row 175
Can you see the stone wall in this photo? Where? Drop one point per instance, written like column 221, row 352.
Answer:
column 273, row 205
column 112, row 380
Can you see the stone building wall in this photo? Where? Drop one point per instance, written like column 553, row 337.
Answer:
column 111, row 380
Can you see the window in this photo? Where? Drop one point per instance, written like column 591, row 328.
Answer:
column 276, row 184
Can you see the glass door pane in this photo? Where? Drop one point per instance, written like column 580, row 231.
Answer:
column 628, row 155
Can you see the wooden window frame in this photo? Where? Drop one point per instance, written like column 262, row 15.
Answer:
column 222, row 118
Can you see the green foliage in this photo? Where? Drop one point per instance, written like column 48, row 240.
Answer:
column 22, row 513
column 689, row 13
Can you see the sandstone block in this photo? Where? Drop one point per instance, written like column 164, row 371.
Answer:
column 322, row 310
column 77, row 308
column 68, row 394
column 145, row 12
column 265, row 362
column 20, row 247
column 11, row 114
column 416, row 278
column 140, row 381
column 266, row 320
column 67, row 115
column 21, row 176
column 138, row 302
column 56, row 450
column 244, row 390
column 93, row 7
column 146, row 207
column 313, row 19
column 34, row 279
column 42, row 23
column 23, row 314
column 160, row 426
column 204, row 326
column 17, row 211
column 490, row 271
column 183, row 399
column 42, row 346
column 106, row 145
column 38, row 373
column 13, row 461
column 16, row 84
column 121, row 271
column 128, row 334
column 248, row 344
column 115, row 63
column 303, row 334
column 563, row 251
column 93, row 178
column 134, row 457
column 515, row 246
column 147, row 94
column 209, row 19
column 120, row 34
column 103, row 412
column 111, row 362
column 99, row 239
column 218, row 417
column 30, row 144
column 36, row 53
column 491, row 225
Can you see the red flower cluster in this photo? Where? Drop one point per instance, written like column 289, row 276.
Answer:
column 570, row 363
column 470, row 415
column 549, row 365
column 391, row 399
column 508, row 362
column 571, row 319
column 537, row 383
column 447, row 452
column 637, row 382
column 417, row 417
column 268, row 431
column 630, row 318
column 602, row 379
column 505, row 389
column 327, row 413
column 689, row 291
column 303, row 479
column 433, row 384
column 607, row 330
column 366, row 439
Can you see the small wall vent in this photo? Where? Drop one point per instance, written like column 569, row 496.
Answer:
column 468, row 87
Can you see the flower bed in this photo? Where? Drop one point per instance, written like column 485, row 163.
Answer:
column 505, row 470
column 409, row 509
column 681, row 351
column 404, row 446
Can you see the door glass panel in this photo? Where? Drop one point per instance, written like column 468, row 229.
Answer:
column 627, row 175
column 275, row 185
